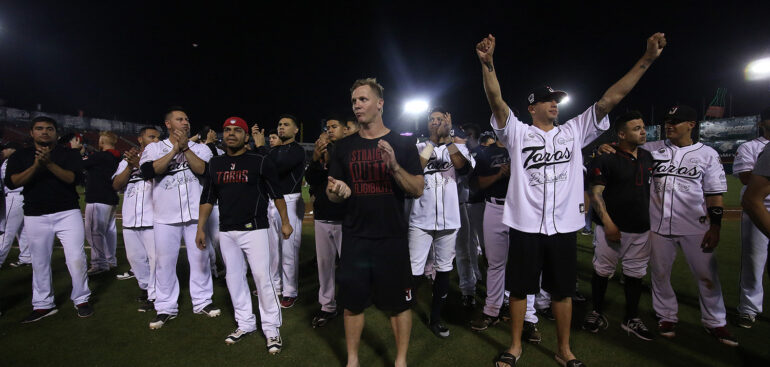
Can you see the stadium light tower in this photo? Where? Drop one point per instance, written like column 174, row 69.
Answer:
column 415, row 107
column 758, row 69
column 564, row 100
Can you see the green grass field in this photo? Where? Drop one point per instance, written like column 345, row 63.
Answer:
column 117, row 335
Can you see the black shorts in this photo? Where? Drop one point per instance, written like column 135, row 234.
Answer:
column 374, row 271
column 531, row 254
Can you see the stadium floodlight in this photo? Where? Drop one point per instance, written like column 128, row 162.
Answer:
column 415, row 107
column 564, row 100
column 758, row 69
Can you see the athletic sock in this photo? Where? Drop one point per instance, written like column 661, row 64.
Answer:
column 633, row 289
column 440, row 289
column 598, row 290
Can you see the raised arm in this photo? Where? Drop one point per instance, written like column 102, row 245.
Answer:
column 484, row 50
column 622, row 87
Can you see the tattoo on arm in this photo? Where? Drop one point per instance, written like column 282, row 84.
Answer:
column 597, row 201
column 489, row 66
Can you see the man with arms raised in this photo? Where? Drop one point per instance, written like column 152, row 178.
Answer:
column 544, row 203
column 373, row 172
column 175, row 164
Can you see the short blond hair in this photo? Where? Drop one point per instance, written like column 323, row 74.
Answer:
column 372, row 83
column 112, row 138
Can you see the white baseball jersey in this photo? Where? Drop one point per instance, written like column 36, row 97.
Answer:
column 2, row 177
column 746, row 158
column 680, row 178
column 545, row 193
column 177, row 191
column 438, row 208
column 137, row 199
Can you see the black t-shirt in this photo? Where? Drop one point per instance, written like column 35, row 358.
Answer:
column 375, row 208
column 317, row 177
column 242, row 185
column 45, row 193
column 488, row 163
column 99, row 168
column 626, row 181
column 290, row 161
column 475, row 194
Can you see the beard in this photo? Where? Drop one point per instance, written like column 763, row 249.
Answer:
column 284, row 138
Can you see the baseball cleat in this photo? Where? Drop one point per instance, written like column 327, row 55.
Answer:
column 39, row 314
column 287, row 302
column 636, row 326
column 530, row 333
column 723, row 335
column 546, row 312
column 323, row 317
column 84, row 309
column 17, row 264
column 578, row 297
column 505, row 312
column 594, row 321
column 484, row 322
column 160, row 320
column 125, row 276
column 94, row 270
column 236, row 336
column 746, row 321
column 667, row 329
column 209, row 311
column 147, row 306
column 274, row 345
column 439, row 329
column 469, row 301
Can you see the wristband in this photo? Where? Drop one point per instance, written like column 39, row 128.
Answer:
column 427, row 151
column 184, row 150
column 715, row 215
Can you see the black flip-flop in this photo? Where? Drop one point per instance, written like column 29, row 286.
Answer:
column 505, row 357
column 571, row 363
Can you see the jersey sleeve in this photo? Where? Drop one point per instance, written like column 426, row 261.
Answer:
column 121, row 167
column 761, row 168
column 148, row 154
column 269, row 174
column 74, row 163
column 483, row 166
column 508, row 133
column 599, row 171
column 587, row 127
column 209, row 193
column 744, row 159
column 714, row 180
column 335, row 162
column 409, row 159
column 14, row 166
column 202, row 151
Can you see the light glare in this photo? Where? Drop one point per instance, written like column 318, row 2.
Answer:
column 415, row 106
column 758, row 69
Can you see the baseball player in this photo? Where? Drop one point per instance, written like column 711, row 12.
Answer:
column 289, row 157
column 435, row 216
column 12, row 224
column 273, row 138
column 174, row 164
column 101, row 201
column 351, row 126
column 544, row 202
column 753, row 242
column 49, row 173
column 466, row 245
column 686, row 212
column 492, row 173
column 328, row 218
column 240, row 182
column 372, row 172
column 137, row 211
column 620, row 193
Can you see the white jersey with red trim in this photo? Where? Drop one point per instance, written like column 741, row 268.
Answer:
column 438, row 208
column 545, row 193
column 746, row 158
column 137, row 199
column 681, row 177
column 177, row 192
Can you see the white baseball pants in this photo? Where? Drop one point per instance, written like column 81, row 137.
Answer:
column 440, row 244
column 633, row 250
column 140, row 252
column 754, row 246
column 466, row 254
column 68, row 227
column 703, row 266
column 256, row 249
column 284, row 254
column 13, row 228
column 496, row 242
column 328, row 244
column 167, row 244
column 102, row 234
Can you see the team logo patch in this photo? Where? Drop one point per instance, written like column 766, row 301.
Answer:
column 531, row 98
column 673, row 110
column 582, row 208
column 232, row 122
column 232, row 166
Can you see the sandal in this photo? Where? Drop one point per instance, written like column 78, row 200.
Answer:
column 507, row 358
column 571, row 363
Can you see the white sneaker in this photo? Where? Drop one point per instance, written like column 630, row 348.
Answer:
column 274, row 344
column 210, row 311
column 236, row 336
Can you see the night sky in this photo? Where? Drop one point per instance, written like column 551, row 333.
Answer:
column 131, row 59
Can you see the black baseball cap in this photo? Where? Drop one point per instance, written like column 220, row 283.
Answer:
column 681, row 113
column 545, row 94
column 457, row 132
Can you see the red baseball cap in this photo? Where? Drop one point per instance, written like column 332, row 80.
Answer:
column 236, row 121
